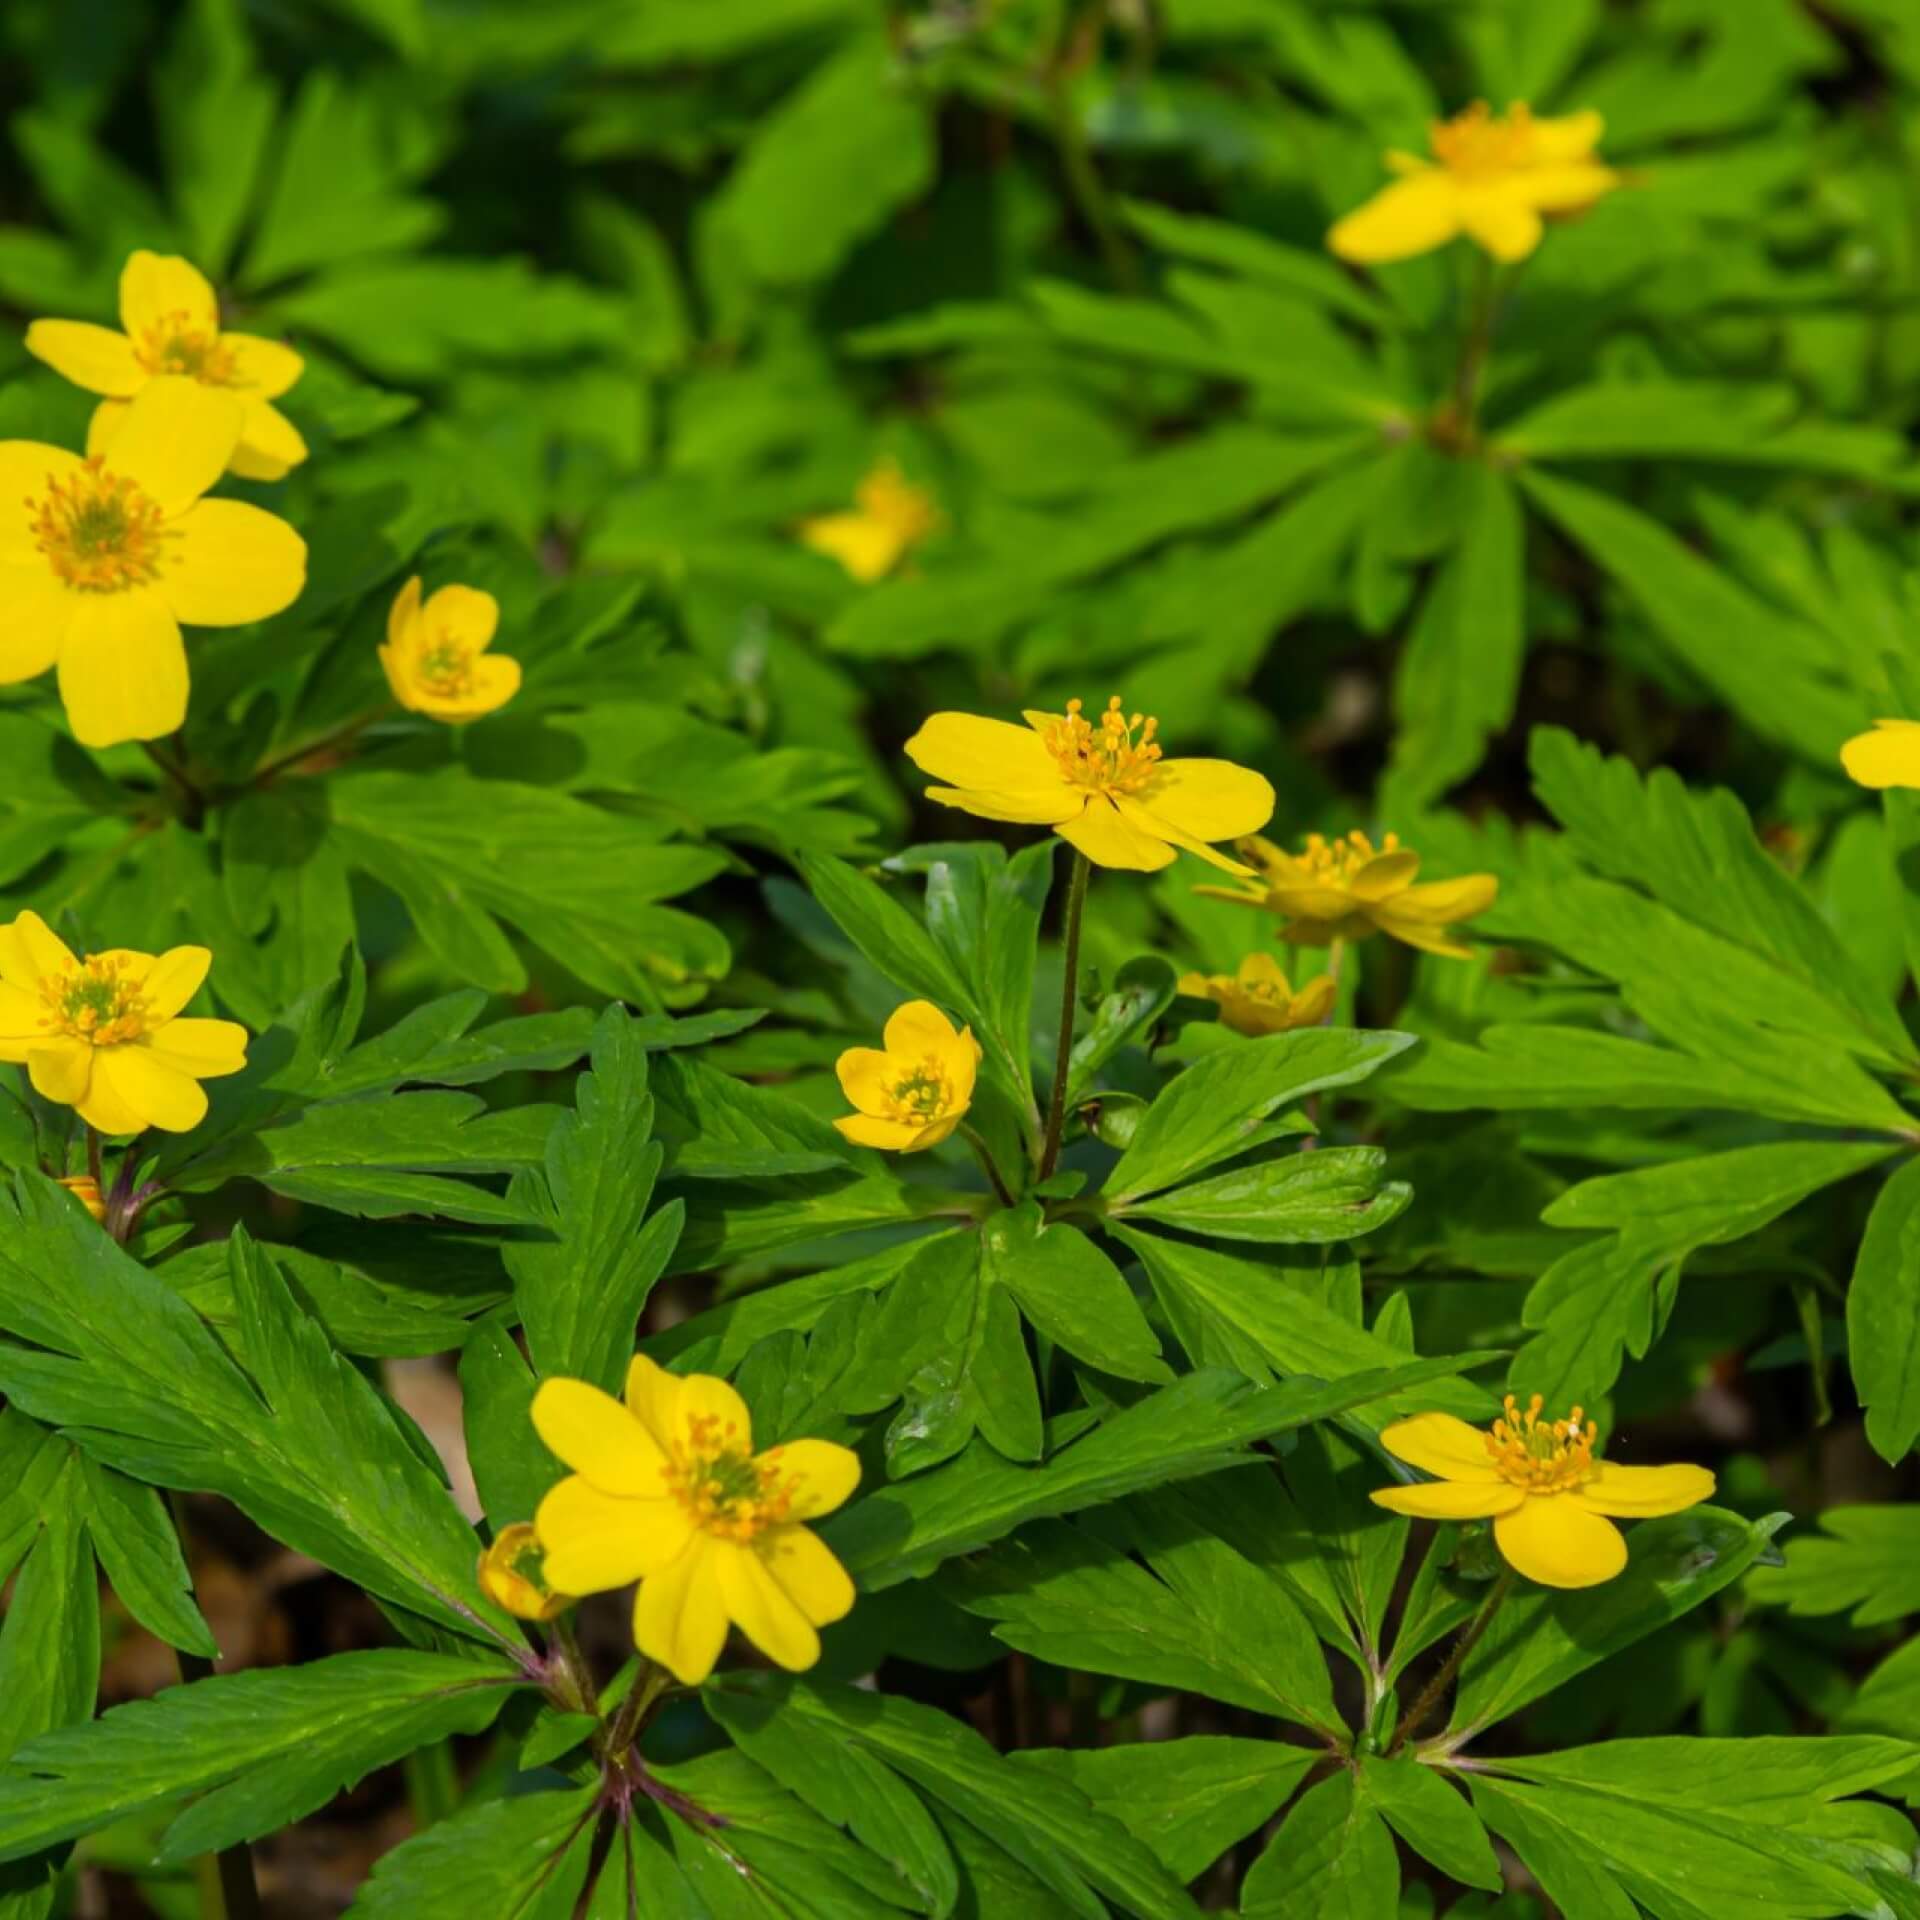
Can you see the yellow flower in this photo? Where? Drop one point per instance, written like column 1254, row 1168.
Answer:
column 436, row 655
column 1490, row 178
column 667, row 1490
column 103, row 560
column 1345, row 890
column 103, row 1035
column 1547, row 1495
column 513, row 1575
column 86, row 1189
column 891, row 516
column 914, row 1094
column 1889, row 756
column 1258, row 999
column 1104, row 792
column 171, row 327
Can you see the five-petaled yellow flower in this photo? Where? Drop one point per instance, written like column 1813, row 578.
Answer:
column 103, row 560
column 1547, row 1495
column 667, row 1490
column 1491, row 178
column 1348, row 889
column 1889, row 756
column 436, row 655
column 890, row 517
column 104, row 1035
column 171, row 323
column 1103, row 789
column 1260, row 999
column 912, row 1095
column 513, row 1575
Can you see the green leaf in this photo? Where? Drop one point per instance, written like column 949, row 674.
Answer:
column 580, row 1295
column 1883, row 1316
column 1216, row 1107
column 1188, row 1799
column 134, row 1535
column 31, row 1461
column 1331, row 1860
column 1300, row 1199
column 1541, row 1638
column 1434, row 1820
column 846, row 1784
column 262, row 1748
column 715, row 1127
column 512, row 1469
column 1142, row 991
column 1071, row 1291
column 889, row 937
column 1863, row 1558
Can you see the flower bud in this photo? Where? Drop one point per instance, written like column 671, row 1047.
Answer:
column 86, row 1189
column 512, row 1574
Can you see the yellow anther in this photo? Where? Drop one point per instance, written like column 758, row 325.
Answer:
column 174, row 344
column 94, row 1002
column 1111, row 761
column 921, row 1095
column 1543, row 1457
column 99, row 532
column 722, row 1487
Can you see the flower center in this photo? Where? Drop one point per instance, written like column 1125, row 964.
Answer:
column 888, row 497
column 1338, row 861
column 722, row 1487
column 1477, row 145
column 444, row 667
column 1542, row 1456
column 921, row 1094
column 95, row 1002
column 1108, row 760
column 173, row 344
column 99, row 532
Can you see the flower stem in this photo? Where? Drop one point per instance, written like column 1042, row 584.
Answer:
column 1458, row 422
column 1069, row 999
column 984, row 1154
column 193, row 803
column 1422, row 1709
column 340, row 737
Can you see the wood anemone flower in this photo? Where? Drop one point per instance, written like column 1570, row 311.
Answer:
column 913, row 1090
column 1103, row 789
column 1259, row 998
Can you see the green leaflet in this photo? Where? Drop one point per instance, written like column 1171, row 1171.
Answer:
column 1332, row 1858
column 1863, row 1558
column 1883, row 1316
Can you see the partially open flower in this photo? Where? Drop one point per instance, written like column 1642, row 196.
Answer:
column 1541, row 1484
column 86, row 1189
column 1259, row 999
column 513, row 1575
column 915, row 1089
column 436, row 656
column 1348, row 889
column 890, row 517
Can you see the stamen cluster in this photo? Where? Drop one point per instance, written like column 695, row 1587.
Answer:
column 921, row 1095
column 1340, row 859
column 98, row 531
column 445, row 667
column 1109, row 761
column 722, row 1487
column 173, row 344
column 1543, row 1457
column 95, row 1002
column 1477, row 143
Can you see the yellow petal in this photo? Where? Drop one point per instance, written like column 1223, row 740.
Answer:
column 759, row 1605
column 464, row 614
column 1887, row 757
column 107, row 1110
column 403, row 613
column 173, row 979
column 890, row 1136
column 723, row 1415
column 994, row 756
column 1109, row 841
column 1559, row 139
column 1385, row 875
column 1450, row 1499
column 123, row 669
column 918, row 1028
column 96, row 358
column 821, row 1475
column 598, row 1438
column 1414, row 215
column 1210, row 799
column 270, row 444
column 1440, row 902
column 108, row 418
column 20, row 1016
column 61, row 1070
column 653, row 1398
column 150, row 1086
column 1145, row 820
column 1566, row 189
column 866, row 547
column 679, row 1618
column 39, row 609
column 595, row 1541
column 1314, row 1001
column 1642, row 1493
column 811, row 1577
column 1560, row 1542
column 234, row 564
column 207, row 1049
column 176, row 440
column 266, row 367
column 26, row 466
column 866, row 1075
column 496, row 679
column 30, row 950
column 158, row 288
column 1501, row 221
column 1029, row 807
column 1438, row 1443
